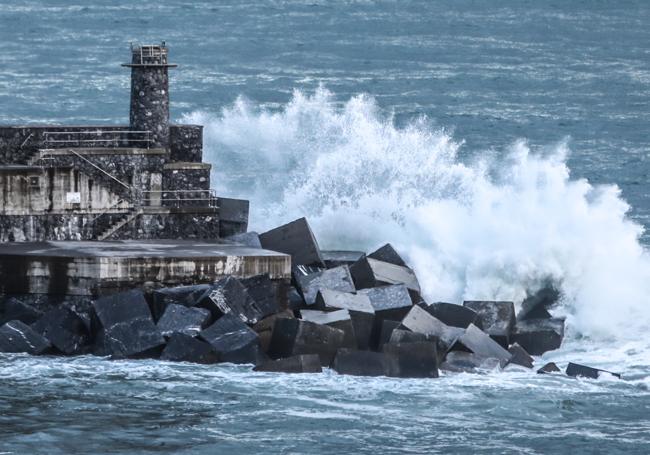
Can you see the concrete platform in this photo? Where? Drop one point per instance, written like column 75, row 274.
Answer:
column 93, row 268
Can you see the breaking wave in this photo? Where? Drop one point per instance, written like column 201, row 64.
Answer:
column 488, row 225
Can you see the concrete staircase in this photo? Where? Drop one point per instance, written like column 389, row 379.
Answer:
column 119, row 224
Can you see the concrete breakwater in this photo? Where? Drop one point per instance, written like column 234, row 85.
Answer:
column 360, row 314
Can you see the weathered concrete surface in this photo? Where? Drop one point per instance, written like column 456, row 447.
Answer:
column 92, row 268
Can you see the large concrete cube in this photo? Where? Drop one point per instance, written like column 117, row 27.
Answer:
column 337, row 279
column 538, row 336
column 497, row 318
column 370, row 273
column 294, row 337
column 233, row 340
column 295, row 239
column 16, row 336
column 181, row 319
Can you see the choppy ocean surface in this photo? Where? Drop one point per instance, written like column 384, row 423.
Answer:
column 498, row 145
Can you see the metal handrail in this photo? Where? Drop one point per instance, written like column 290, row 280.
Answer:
column 96, row 136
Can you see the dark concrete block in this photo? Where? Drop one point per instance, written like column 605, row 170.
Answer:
column 16, row 310
column 361, row 311
column 387, row 329
column 340, row 319
column 263, row 292
column 389, row 302
column 233, row 216
column 16, row 336
column 181, row 295
column 337, row 279
column 364, row 363
column 406, row 336
column 306, row 363
column 414, row 360
column 264, row 328
column 497, row 319
column 482, row 345
column 452, row 314
column 520, row 356
column 549, row 368
column 538, row 336
column 229, row 296
column 185, row 320
column 250, row 239
column 370, row 273
column 295, row 239
column 64, row 329
column 418, row 320
column 582, row 371
column 468, row 362
column 336, row 258
column 294, row 337
column 233, row 340
column 388, row 254
column 128, row 328
column 295, row 300
column 186, row 348
column 536, row 306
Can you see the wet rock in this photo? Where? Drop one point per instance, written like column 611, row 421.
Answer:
column 536, row 306
column 582, row 371
column 262, row 290
column 306, row 363
column 549, row 368
column 128, row 328
column 481, row 344
column 233, row 340
column 64, row 329
column 419, row 321
column 538, row 336
column 185, row 348
column 340, row 319
column 370, row 273
column 360, row 308
column 186, row 320
column 336, row 258
column 364, row 363
column 414, row 359
column 496, row 318
column 295, row 239
column 181, row 295
column 336, row 279
column 520, row 356
column 468, row 362
column 249, row 239
column 388, row 254
column 16, row 336
column 453, row 315
column 294, row 337
column 16, row 310
column 229, row 296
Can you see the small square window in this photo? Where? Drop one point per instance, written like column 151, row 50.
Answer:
column 34, row 182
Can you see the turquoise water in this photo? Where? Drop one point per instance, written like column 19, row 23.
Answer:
column 495, row 144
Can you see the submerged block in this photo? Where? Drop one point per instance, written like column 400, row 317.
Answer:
column 414, row 359
column 370, row 273
column 306, row 363
column 418, row 320
column 229, row 296
column 453, row 315
column 468, row 362
column 336, row 258
column 185, row 348
column 262, row 291
column 337, row 279
column 128, row 328
column 293, row 337
column 64, row 329
column 364, row 363
column 17, row 310
column 550, row 367
column 16, row 336
column 181, row 319
column 576, row 370
column 233, row 340
column 520, row 356
column 340, row 319
column 497, row 318
column 482, row 345
column 538, row 336
column 361, row 311
column 387, row 254
column 295, row 239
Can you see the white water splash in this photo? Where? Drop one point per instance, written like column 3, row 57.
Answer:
column 490, row 228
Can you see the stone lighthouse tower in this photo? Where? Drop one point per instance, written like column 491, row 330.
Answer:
column 150, row 92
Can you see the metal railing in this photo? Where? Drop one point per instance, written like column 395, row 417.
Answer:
column 126, row 138
column 179, row 198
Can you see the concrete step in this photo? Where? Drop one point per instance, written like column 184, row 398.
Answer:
column 119, row 224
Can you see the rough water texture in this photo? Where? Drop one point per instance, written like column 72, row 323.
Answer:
column 495, row 146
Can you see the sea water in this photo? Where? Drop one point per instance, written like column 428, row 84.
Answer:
column 497, row 145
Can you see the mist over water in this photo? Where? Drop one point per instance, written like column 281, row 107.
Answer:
column 474, row 225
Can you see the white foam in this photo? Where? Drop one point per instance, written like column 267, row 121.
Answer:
column 487, row 228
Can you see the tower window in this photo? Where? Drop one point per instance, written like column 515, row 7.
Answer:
column 34, row 182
